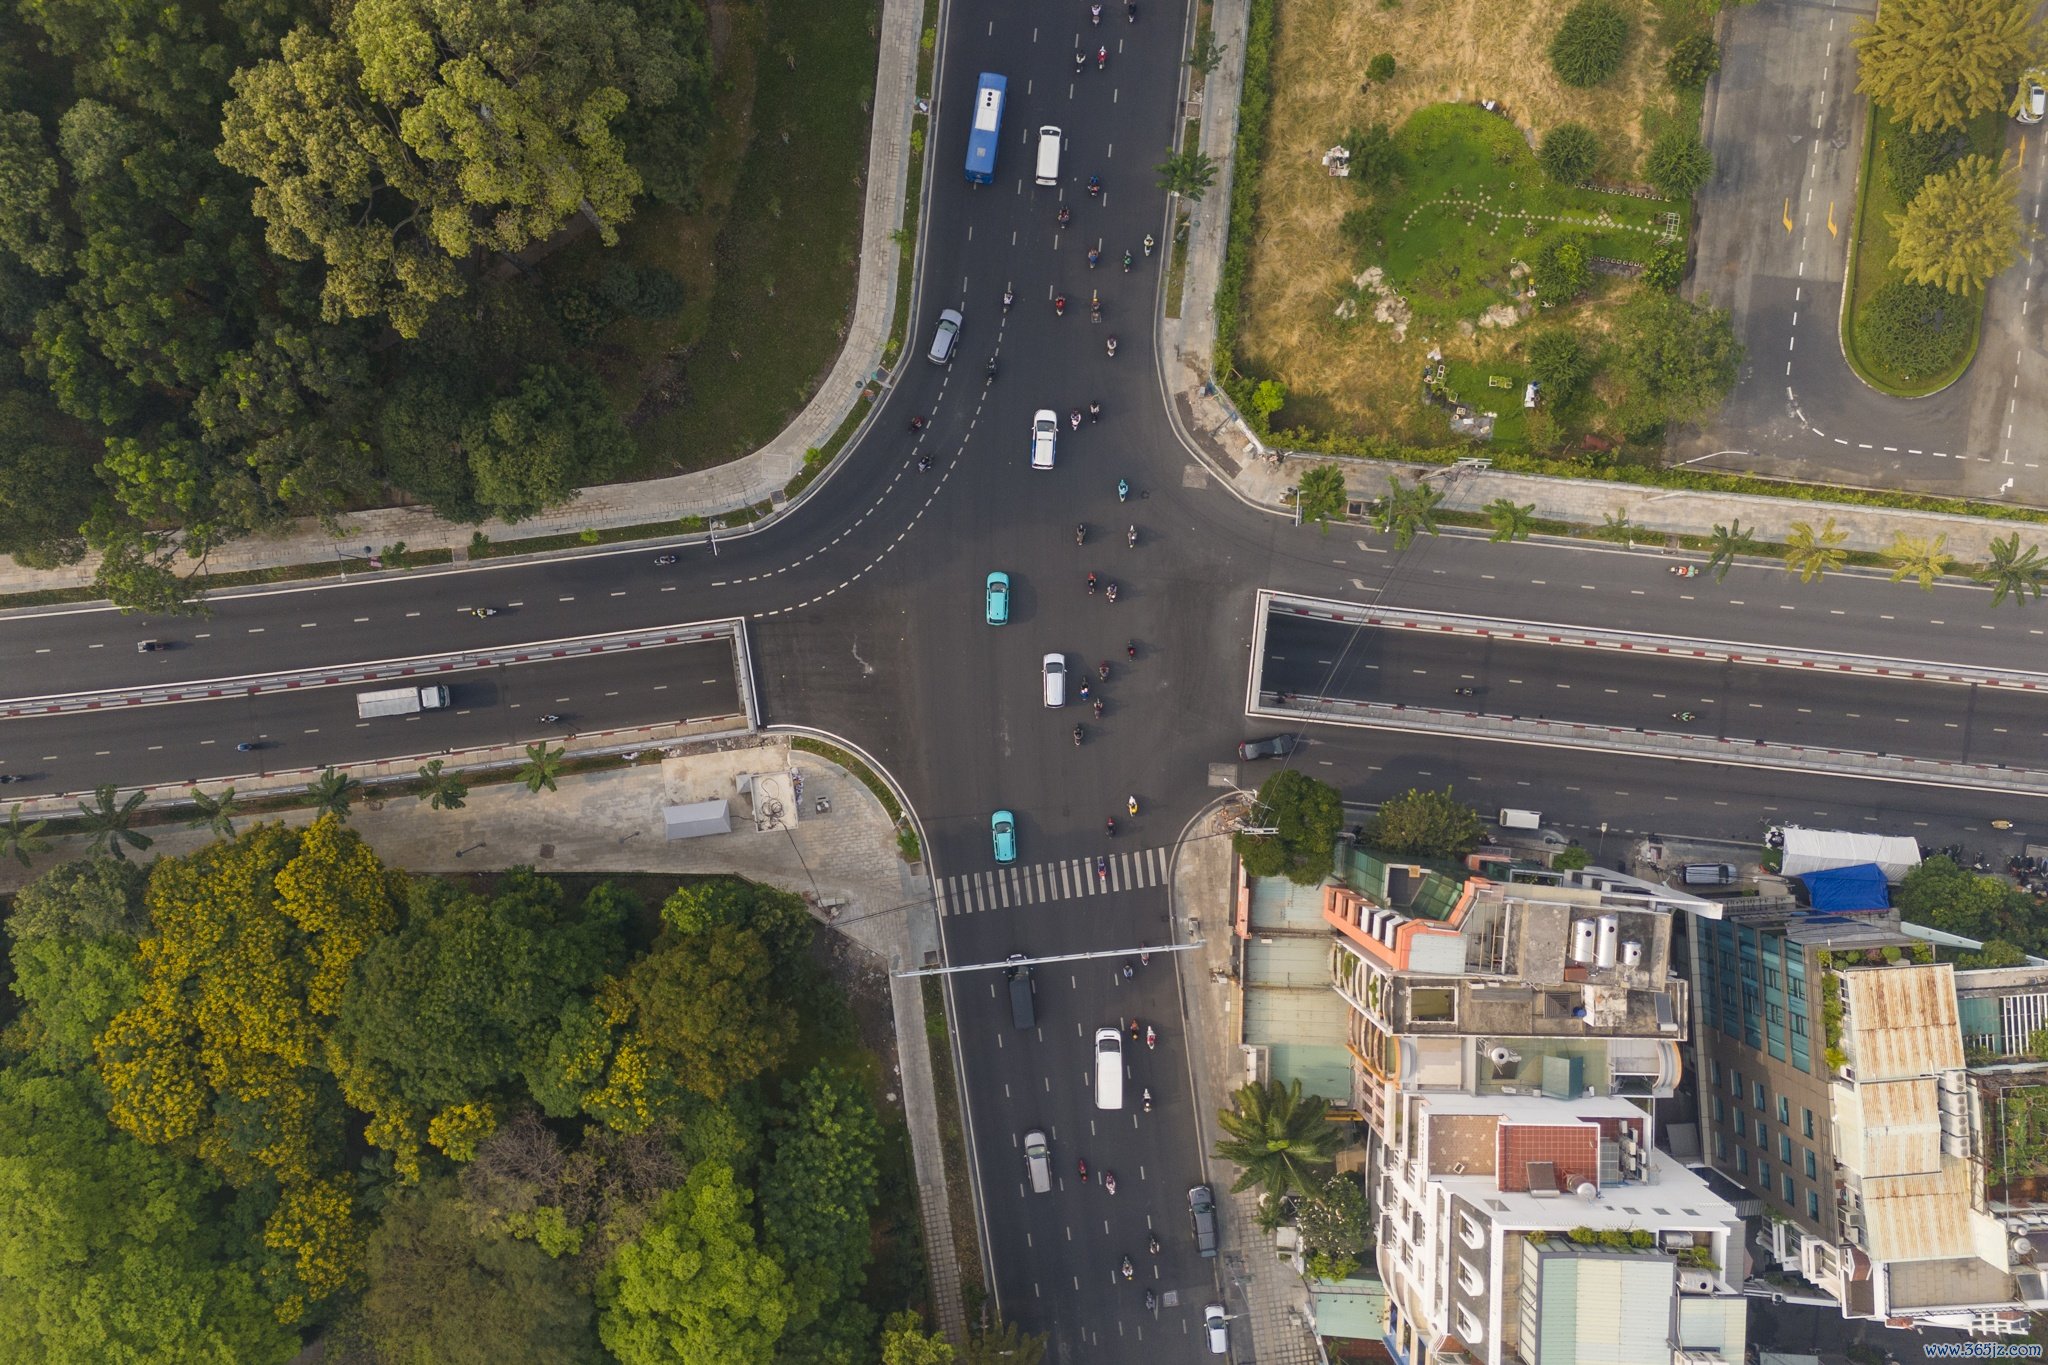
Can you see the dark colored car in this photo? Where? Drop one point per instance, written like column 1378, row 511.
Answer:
column 1202, row 1213
column 1279, row 746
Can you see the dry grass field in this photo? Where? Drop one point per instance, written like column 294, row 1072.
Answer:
column 1306, row 323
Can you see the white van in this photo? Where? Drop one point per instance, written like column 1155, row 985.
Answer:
column 1055, row 675
column 1048, row 155
column 1038, row 1161
column 1519, row 819
column 1109, row 1069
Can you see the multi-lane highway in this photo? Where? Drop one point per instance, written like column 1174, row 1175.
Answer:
column 865, row 610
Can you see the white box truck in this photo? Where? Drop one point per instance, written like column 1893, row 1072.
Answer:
column 400, row 701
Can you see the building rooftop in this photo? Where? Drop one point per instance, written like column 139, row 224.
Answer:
column 1901, row 1021
column 1888, row 1128
column 1957, row 1280
column 1597, row 1307
column 1289, row 1009
column 1920, row 1217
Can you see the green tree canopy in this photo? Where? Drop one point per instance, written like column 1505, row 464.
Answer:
column 1426, row 824
column 1282, row 1140
column 1678, row 358
column 1322, row 494
column 1569, row 153
column 439, row 1288
column 1915, row 330
column 1679, row 163
column 1962, row 227
column 109, row 1250
column 692, row 1289
column 1336, row 1225
column 1306, row 815
column 1693, row 61
column 1938, row 63
column 818, row 1195
column 1561, row 271
column 1562, row 362
column 1589, row 43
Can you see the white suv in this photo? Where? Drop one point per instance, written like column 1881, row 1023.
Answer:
column 1045, row 435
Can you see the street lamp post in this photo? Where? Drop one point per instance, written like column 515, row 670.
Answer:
column 368, row 555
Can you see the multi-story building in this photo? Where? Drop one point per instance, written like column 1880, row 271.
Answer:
column 1837, row 1088
column 1508, row 1032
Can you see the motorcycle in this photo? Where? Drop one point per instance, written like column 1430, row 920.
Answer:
column 1129, row 1269
column 1151, row 1301
column 1102, row 670
column 1131, row 538
column 1091, row 585
column 1094, row 258
column 1132, row 804
column 1110, row 826
column 1085, row 693
column 1123, row 490
column 1152, row 1243
column 664, row 559
column 1010, row 298
column 1101, row 864
column 1134, row 1030
column 1109, row 1181
column 1095, row 305
column 1112, row 348
column 991, row 367
column 1101, row 58
column 247, row 748
column 1098, row 708
column 917, row 422
column 1149, row 244
column 1131, row 650
column 1095, row 14
column 1683, row 716
column 1094, row 186
column 1151, row 1038
column 1059, row 305
column 483, row 611
column 1131, row 11
column 1077, row 736
column 1685, row 570
column 1095, row 412
column 924, row 463
column 1074, row 419
column 1144, row 959
column 1128, row 972
column 1080, row 61
column 1081, row 534
column 550, row 719
column 1461, row 691
column 1127, row 263
column 1083, row 1163
column 1111, row 590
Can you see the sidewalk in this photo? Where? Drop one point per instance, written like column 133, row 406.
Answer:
column 755, row 478
column 1267, row 1301
column 611, row 822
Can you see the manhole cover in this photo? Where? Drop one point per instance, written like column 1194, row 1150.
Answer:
column 547, row 850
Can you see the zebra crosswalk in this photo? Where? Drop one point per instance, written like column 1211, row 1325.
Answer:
column 1005, row 888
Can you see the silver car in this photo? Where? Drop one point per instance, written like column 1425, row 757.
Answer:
column 948, row 333
column 1038, row 1161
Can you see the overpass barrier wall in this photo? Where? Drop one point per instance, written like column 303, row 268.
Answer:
column 1878, row 766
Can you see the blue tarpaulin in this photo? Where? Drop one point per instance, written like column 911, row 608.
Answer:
column 1861, row 887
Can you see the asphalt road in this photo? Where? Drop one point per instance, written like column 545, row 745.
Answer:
column 1312, row 658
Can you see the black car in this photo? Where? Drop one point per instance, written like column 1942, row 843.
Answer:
column 1202, row 1213
column 1279, row 746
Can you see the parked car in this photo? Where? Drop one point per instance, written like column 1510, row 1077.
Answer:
column 947, row 333
column 996, row 603
column 1202, row 1214
column 2036, row 105
column 1279, row 746
column 1002, row 828
column 1216, row 1326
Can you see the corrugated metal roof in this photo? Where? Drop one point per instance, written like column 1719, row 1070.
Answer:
column 1890, row 1128
column 1918, row 1217
column 1902, row 1021
column 1604, row 1310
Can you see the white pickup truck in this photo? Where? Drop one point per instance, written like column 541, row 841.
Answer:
column 401, row 701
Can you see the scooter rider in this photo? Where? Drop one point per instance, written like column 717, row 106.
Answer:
column 1059, row 305
column 1094, row 412
column 1077, row 736
column 1112, row 347
column 1010, row 298
column 1127, row 262
column 1149, row 244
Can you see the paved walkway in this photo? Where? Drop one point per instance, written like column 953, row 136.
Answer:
column 1266, row 1299
column 844, row 861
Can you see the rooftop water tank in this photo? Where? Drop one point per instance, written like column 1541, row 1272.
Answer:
column 1609, row 939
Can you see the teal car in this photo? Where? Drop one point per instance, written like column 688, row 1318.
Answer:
column 997, row 602
column 1002, row 828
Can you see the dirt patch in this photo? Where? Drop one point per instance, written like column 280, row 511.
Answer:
column 1309, row 320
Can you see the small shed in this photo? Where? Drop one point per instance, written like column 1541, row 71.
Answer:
column 696, row 819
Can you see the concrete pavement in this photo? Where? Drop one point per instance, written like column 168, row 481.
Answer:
column 843, row 861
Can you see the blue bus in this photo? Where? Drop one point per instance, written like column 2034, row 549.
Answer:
column 988, row 127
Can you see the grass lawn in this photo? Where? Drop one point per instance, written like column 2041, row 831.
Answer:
column 767, row 262
column 1305, row 321
column 1472, row 201
column 1475, row 386
column 1875, row 243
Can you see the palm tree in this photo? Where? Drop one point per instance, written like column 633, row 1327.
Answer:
column 1616, row 526
column 106, row 822
column 2012, row 572
column 1811, row 553
column 1729, row 541
column 1511, row 522
column 1408, row 508
column 1321, row 495
column 541, row 767
column 1917, row 558
column 216, row 813
column 332, row 793
column 1187, row 174
column 22, row 842
column 1280, row 1139
column 444, row 791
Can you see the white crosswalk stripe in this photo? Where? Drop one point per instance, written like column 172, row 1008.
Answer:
column 1008, row 888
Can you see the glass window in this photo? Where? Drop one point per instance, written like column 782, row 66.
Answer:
column 1741, row 1124
column 1758, row 1092
column 1808, row 1113
column 1812, row 1204
column 1718, row 1115
column 1763, row 1175
column 1735, row 1083
column 1812, row 1173
column 1714, row 1071
column 1787, row 1179
column 1785, row 1149
column 1720, row 1145
column 1742, row 1160
column 1784, row 1110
